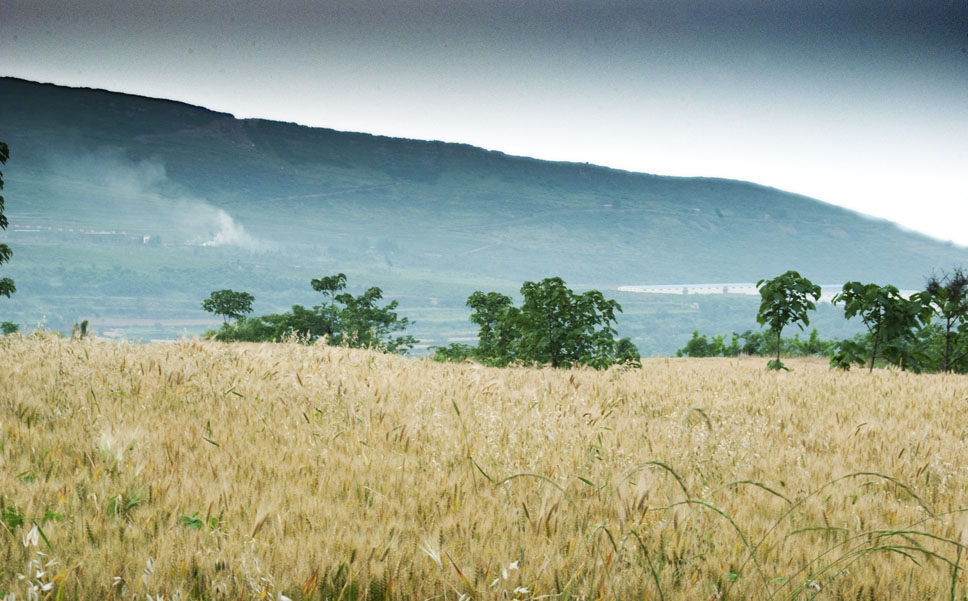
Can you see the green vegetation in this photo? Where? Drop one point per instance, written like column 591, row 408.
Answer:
column 785, row 301
column 6, row 284
column 947, row 297
column 761, row 344
column 927, row 332
column 891, row 320
column 554, row 326
column 229, row 304
column 342, row 320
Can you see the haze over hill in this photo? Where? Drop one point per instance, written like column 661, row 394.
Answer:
column 130, row 208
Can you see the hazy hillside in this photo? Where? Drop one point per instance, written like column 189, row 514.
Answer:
column 124, row 207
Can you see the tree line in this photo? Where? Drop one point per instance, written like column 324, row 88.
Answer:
column 340, row 319
column 553, row 326
column 927, row 332
column 760, row 343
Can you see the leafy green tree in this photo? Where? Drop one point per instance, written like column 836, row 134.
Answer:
column 330, row 287
column 923, row 350
column 364, row 324
column 6, row 284
column 785, row 300
column 812, row 346
column 254, row 329
column 561, row 328
column 698, row 346
column 309, row 324
column 357, row 321
column 733, row 350
column 947, row 297
column 498, row 319
column 553, row 326
column 342, row 319
column 891, row 321
column 8, row 327
column 754, row 343
column 627, row 352
column 229, row 304
column 455, row 352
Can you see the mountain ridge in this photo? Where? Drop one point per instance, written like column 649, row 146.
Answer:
column 496, row 153
column 264, row 206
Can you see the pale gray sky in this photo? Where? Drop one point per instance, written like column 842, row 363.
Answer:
column 863, row 104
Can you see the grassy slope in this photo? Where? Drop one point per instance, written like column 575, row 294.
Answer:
column 428, row 222
column 318, row 472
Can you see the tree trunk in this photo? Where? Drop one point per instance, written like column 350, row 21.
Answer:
column 873, row 354
column 947, row 346
column 778, row 344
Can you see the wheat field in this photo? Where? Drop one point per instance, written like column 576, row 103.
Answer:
column 198, row 470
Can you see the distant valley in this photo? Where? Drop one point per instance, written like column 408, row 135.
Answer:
column 127, row 211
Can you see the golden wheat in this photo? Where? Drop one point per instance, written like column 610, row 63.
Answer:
column 206, row 470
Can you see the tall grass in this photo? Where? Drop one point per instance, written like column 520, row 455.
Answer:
column 211, row 471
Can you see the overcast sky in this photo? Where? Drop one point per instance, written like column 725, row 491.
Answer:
column 863, row 104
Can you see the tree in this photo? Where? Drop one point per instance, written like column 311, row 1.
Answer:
column 890, row 318
column 947, row 296
column 754, row 343
column 553, row 326
column 627, row 352
column 342, row 319
column 497, row 318
column 812, row 346
column 785, row 300
column 229, row 304
column 329, row 286
column 699, row 346
column 364, row 324
column 6, row 284
column 561, row 328
column 455, row 352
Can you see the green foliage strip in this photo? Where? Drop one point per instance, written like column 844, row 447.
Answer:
column 553, row 326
